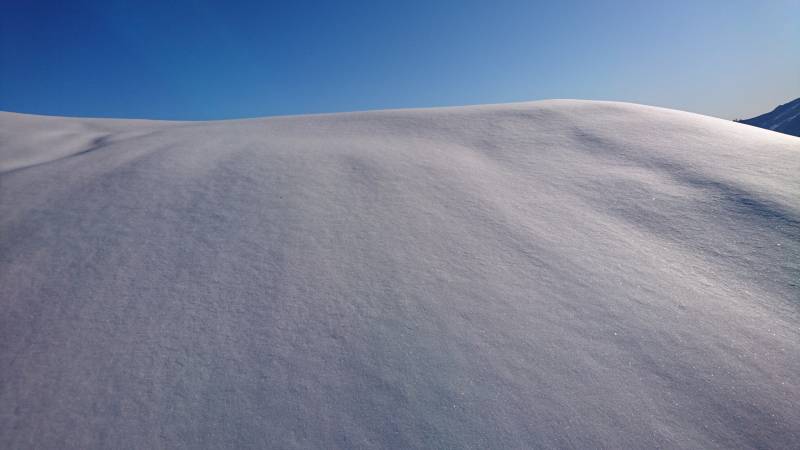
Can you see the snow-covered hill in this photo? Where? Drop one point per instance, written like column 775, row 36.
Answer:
column 550, row 274
column 784, row 119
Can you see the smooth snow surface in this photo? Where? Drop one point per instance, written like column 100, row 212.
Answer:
column 550, row 274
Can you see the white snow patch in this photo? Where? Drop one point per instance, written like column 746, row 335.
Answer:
column 549, row 274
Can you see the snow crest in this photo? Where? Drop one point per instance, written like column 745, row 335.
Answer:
column 551, row 274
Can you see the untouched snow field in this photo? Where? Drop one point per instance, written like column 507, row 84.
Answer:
column 553, row 274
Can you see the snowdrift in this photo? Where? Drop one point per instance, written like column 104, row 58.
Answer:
column 549, row 274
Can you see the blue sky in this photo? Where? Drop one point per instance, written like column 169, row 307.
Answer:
column 227, row 59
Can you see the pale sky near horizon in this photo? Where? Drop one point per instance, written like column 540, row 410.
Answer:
column 214, row 60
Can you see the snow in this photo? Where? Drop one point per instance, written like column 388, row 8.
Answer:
column 548, row 274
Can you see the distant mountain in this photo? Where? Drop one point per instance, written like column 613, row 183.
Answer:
column 784, row 119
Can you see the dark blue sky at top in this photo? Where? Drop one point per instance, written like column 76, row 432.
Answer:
column 228, row 59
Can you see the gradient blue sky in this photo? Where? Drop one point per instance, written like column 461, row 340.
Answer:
column 227, row 59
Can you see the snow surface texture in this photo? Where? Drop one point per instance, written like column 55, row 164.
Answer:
column 550, row 274
column 784, row 119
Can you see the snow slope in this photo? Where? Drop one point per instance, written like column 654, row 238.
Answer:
column 549, row 274
column 784, row 119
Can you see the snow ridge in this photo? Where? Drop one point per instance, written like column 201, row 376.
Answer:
column 549, row 274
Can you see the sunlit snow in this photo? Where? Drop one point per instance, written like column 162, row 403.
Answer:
column 549, row 274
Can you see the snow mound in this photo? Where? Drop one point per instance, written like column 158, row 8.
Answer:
column 549, row 274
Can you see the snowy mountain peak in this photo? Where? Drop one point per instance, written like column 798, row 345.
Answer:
column 784, row 119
